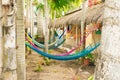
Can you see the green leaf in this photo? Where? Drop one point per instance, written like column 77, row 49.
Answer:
column 40, row 6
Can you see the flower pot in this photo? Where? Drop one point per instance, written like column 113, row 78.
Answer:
column 86, row 62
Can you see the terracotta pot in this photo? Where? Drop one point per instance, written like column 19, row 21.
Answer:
column 86, row 61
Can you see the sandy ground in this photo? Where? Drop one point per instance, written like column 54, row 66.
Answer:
column 56, row 70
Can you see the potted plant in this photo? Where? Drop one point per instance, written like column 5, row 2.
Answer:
column 87, row 59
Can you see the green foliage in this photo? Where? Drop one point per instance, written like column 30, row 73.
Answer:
column 36, row 36
column 40, row 6
column 47, row 61
column 89, row 56
column 35, row 1
column 38, row 68
column 62, row 6
column 91, row 77
column 59, row 7
column 98, row 31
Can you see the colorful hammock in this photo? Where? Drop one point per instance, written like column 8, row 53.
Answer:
column 53, row 45
column 72, row 50
column 56, row 35
column 81, row 41
column 82, row 53
column 67, row 53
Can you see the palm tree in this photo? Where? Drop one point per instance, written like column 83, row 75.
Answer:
column 46, row 24
column 31, row 18
column 1, row 39
column 40, row 19
column 60, row 6
column 8, row 43
column 108, row 64
column 21, row 68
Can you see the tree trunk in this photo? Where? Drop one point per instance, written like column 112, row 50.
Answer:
column 9, row 52
column 21, row 68
column 40, row 23
column 31, row 19
column 46, row 25
column 1, row 40
column 108, row 64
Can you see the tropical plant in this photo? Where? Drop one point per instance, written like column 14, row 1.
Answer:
column 62, row 6
column 89, row 59
column 91, row 77
column 89, row 56
column 59, row 6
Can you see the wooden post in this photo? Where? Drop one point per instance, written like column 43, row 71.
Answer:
column 83, row 25
column 76, row 35
column 83, row 29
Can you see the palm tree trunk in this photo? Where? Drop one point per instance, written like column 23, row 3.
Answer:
column 31, row 18
column 9, row 52
column 108, row 64
column 21, row 68
column 28, row 23
column 40, row 23
column 46, row 25
column 1, row 40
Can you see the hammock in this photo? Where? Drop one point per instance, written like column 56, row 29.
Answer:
column 53, row 45
column 56, row 35
column 72, row 50
column 67, row 53
column 82, row 53
column 81, row 41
